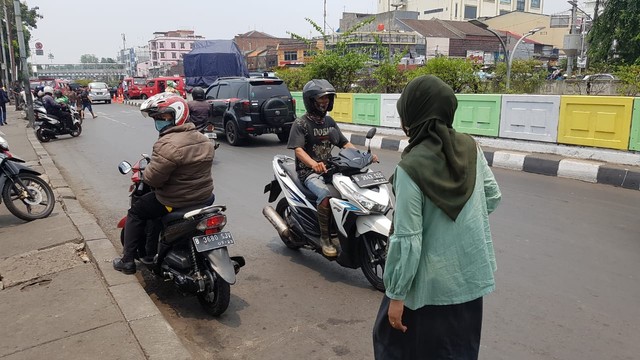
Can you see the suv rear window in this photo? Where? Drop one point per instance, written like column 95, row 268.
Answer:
column 268, row 89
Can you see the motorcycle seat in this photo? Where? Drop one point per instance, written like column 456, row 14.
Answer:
column 178, row 214
column 289, row 167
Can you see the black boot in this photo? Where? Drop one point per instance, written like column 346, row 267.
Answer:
column 126, row 267
column 325, row 236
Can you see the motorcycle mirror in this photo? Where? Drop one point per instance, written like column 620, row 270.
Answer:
column 124, row 167
column 371, row 133
column 4, row 144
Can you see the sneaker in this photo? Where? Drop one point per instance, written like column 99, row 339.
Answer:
column 128, row 267
column 95, row 116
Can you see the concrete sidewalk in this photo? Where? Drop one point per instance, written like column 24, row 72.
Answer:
column 59, row 295
column 595, row 165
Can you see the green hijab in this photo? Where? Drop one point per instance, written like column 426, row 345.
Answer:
column 439, row 160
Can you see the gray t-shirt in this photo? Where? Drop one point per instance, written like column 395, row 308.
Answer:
column 314, row 139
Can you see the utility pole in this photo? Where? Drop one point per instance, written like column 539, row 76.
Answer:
column 324, row 19
column 572, row 30
column 14, row 75
column 4, row 59
column 23, row 59
column 595, row 11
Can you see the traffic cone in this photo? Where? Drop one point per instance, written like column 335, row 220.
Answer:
column 121, row 99
column 114, row 99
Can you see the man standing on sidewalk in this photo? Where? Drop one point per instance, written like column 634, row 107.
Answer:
column 4, row 99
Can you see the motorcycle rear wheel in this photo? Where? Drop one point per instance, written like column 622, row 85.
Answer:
column 373, row 253
column 283, row 210
column 77, row 131
column 40, row 197
column 42, row 136
column 215, row 299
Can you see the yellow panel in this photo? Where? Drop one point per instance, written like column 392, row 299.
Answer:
column 343, row 108
column 602, row 121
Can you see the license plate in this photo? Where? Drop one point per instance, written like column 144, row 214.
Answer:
column 369, row 179
column 211, row 135
column 214, row 241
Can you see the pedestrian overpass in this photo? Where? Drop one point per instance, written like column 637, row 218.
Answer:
column 107, row 72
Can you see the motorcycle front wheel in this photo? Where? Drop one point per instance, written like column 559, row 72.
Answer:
column 216, row 296
column 30, row 198
column 373, row 254
column 77, row 131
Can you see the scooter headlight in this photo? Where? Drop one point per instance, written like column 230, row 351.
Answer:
column 365, row 202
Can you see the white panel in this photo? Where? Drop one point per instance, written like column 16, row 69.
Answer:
column 388, row 113
column 579, row 170
column 530, row 117
column 508, row 160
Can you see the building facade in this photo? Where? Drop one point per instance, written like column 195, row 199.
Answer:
column 133, row 56
column 166, row 49
column 460, row 9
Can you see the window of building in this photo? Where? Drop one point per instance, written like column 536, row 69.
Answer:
column 181, row 45
column 191, row 45
column 455, row 16
column 161, row 45
column 535, row 4
column 161, row 55
column 173, row 45
column 505, row 2
column 433, row 11
column 470, row 12
column 290, row 55
column 173, row 55
column 520, row 5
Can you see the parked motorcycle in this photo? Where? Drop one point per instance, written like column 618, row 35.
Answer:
column 360, row 200
column 48, row 126
column 187, row 246
column 25, row 194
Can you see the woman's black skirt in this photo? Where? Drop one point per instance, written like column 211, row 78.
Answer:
column 433, row 332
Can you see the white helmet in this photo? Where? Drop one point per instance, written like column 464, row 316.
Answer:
column 48, row 90
column 166, row 103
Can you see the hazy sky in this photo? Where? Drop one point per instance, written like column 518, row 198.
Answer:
column 71, row 28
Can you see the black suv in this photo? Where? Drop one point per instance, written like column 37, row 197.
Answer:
column 251, row 106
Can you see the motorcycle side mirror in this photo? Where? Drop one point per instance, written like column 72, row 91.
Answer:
column 371, row 133
column 124, row 167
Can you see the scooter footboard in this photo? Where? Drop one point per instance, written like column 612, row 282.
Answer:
column 222, row 264
column 376, row 223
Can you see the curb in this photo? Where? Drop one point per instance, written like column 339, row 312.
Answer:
column 599, row 172
column 154, row 334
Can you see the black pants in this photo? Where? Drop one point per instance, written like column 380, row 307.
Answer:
column 65, row 118
column 147, row 207
column 433, row 332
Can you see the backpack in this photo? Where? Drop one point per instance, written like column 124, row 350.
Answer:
column 84, row 96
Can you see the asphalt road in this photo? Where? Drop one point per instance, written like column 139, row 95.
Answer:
column 568, row 272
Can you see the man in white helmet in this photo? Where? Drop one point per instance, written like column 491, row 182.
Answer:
column 56, row 109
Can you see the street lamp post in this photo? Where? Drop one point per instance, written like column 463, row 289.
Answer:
column 485, row 26
column 510, row 60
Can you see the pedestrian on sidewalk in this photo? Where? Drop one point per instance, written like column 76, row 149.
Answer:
column 4, row 99
column 440, row 260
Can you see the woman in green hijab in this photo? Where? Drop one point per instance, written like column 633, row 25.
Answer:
column 440, row 261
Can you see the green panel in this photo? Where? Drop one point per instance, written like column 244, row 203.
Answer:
column 478, row 114
column 599, row 121
column 634, row 141
column 297, row 96
column 366, row 109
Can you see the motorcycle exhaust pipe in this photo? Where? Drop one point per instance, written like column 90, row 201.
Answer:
column 277, row 221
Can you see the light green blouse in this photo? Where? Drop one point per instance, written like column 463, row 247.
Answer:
column 433, row 260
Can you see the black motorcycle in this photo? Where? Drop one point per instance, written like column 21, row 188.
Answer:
column 25, row 194
column 188, row 246
column 47, row 126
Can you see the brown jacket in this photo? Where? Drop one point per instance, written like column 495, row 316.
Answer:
column 180, row 168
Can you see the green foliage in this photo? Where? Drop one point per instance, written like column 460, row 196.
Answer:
column 295, row 78
column 629, row 76
column 338, row 65
column 389, row 77
column 458, row 73
column 88, row 59
column 83, row 82
column 107, row 61
column 619, row 23
column 30, row 17
column 526, row 77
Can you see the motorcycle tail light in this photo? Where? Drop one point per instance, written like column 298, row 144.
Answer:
column 132, row 187
column 212, row 224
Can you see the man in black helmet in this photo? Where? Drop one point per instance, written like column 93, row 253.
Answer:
column 199, row 109
column 309, row 138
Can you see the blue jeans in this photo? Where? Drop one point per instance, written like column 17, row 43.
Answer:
column 315, row 183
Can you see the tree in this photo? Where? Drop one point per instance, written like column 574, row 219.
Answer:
column 457, row 73
column 526, row 76
column 30, row 17
column 88, row 59
column 615, row 35
column 339, row 65
column 107, row 61
column 390, row 79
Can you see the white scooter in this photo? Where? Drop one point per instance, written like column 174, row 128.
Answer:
column 359, row 204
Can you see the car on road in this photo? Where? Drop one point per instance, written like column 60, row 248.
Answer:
column 157, row 85
column 99, row 91
column 251, row 106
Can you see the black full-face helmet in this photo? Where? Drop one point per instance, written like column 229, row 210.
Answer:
column 197, row 93
column 312, row 91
